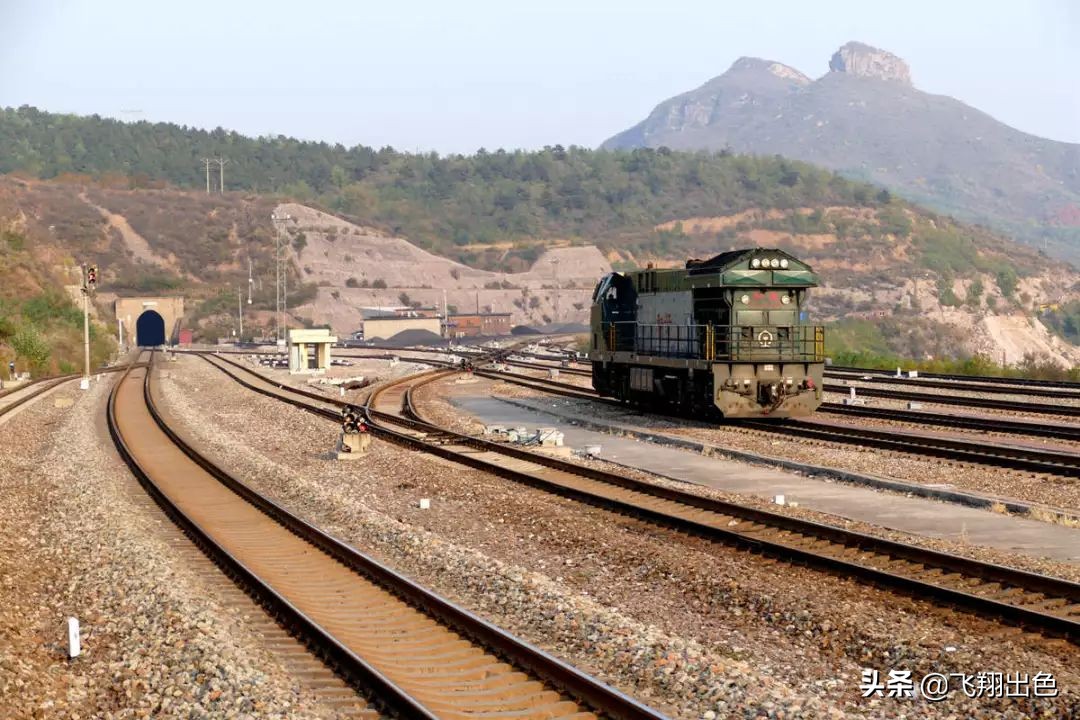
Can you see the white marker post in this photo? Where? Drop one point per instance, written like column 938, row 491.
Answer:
column 74, row 646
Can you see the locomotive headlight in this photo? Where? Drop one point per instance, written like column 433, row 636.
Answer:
column 784, row 263
column 745, row 299
column 786, row 299
column 774, row 262
column 756, row 263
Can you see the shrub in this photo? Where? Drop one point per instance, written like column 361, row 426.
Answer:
column 29, row 345
column 352, row 283
column 1006, row 281
column 379, row 284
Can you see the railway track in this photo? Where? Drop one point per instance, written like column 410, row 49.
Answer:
column 25, row 393
column 1010, row 427
column 39, row 387
column 983, row 384
column 960, row 400
column 965, row 386
column 1015, row 457
column 965, row 422
column 984, row 379
column 1040, row 603
column 419, row 655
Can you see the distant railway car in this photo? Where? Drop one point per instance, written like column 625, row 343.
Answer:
column 723, row 335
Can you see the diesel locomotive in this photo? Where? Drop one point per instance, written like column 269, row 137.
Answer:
column 725, row 336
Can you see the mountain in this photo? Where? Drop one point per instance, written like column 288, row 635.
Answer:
column 896, row 279
column 865, row 119
column 371, row 227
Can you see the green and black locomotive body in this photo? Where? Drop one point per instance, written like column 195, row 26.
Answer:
column 725, row 334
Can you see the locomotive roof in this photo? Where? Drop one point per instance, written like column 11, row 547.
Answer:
column 727, row 260
column 761, row 267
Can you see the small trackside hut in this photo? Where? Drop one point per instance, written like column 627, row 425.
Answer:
column 725, row 334
column 309, row 350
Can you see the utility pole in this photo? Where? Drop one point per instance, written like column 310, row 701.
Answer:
column 240, row 313
column 207, row 161
column 555, row 274
column 445, row 314
column 221, row 169
column 251, row 282
column 281, row 273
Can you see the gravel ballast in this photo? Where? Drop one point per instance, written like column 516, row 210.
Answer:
column 689, row 626
column 77, row 538
column 1050, row 490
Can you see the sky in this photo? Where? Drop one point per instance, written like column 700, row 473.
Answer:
column 458, row 76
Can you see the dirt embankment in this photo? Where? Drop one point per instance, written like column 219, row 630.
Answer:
column 358, row 266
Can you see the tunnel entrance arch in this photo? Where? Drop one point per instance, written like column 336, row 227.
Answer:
column 130, row 309
column 150, row 329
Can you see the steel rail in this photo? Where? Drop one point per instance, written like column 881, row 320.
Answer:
column 36, row 381
column 995, row 454
column 598, row 696
column 992, row 379
column 43, row 386
column 46, row 384
column 921, row 417
column 964, row 386
column 685, row 513
column 961, row 400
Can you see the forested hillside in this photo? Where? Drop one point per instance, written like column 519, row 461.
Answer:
column 132, row 197
column 451, row 204
column 41, row 327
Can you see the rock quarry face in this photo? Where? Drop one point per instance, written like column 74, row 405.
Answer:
column 861, row 60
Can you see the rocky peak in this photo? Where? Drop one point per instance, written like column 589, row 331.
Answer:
column 784, row 72
column 861, row 60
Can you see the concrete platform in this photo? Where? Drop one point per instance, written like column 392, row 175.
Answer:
column 908, row 514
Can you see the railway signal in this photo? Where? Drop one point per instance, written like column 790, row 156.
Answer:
column 351, row 418
column 354, row 433
column 89, row 277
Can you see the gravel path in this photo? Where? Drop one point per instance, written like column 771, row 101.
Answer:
column 76, row 539
column 696, row 629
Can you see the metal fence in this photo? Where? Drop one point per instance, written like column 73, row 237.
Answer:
column 796, row 343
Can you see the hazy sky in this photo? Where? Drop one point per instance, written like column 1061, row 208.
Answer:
column 456, row 76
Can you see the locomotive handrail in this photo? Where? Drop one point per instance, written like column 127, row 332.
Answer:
column 796, row 343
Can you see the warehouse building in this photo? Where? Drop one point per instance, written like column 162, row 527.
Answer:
column 478, row 324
